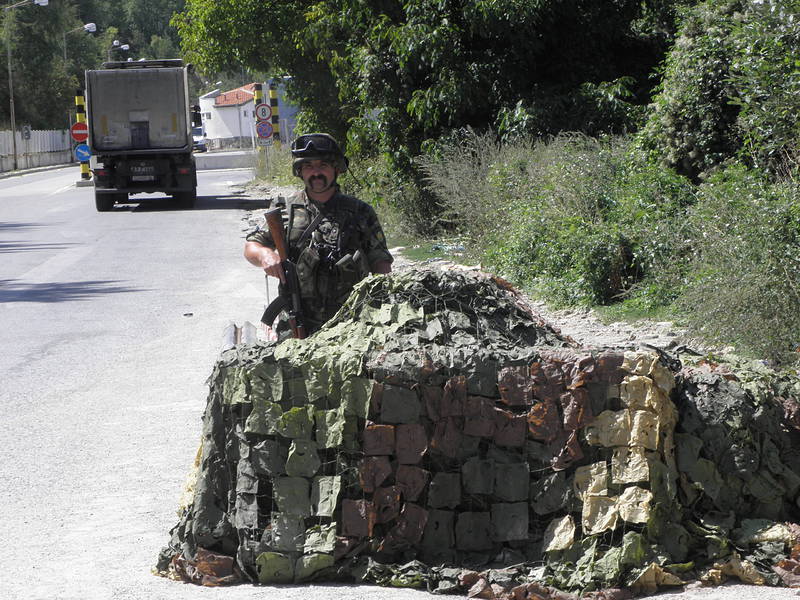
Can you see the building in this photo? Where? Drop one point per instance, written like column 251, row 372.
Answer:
column 229, row 117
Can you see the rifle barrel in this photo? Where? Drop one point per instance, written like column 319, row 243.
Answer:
column 275, row 224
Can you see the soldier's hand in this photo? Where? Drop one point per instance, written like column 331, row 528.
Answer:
column 271, row 263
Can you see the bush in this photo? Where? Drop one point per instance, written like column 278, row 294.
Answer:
column 571, row 217
column 766, row 43
column 745, row 288
column 692, row 123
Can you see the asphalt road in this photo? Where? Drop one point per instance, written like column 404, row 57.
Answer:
column 109, row 326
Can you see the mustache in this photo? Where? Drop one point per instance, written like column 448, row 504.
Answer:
column 320, row 177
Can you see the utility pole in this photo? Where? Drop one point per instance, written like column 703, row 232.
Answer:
column 7, row 24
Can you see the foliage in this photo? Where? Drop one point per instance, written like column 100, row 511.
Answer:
column 51, row 50
column 574, row 218
column 691, row 124
column 745, row 286
column 765, row 71
column 396, row 77
column 729, row 89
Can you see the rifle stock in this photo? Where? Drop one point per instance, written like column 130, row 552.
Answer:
column 289, row 290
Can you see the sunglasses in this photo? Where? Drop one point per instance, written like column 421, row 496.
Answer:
column 315, row 143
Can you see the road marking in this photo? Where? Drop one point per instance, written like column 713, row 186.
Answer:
column 53, row 266
column 62, row 189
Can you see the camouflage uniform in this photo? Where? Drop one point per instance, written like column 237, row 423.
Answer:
column 339, row 252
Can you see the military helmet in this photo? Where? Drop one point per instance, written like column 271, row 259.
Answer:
column 317, row 146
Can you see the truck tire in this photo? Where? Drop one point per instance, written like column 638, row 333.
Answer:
column 104, row 202
column 186, row 199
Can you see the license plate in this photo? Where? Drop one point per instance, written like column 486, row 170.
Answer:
column 142, row 178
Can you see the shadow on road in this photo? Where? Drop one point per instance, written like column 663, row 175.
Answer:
column 13, row 291
column 6, row 247
column 19, row 226
column 166, row 203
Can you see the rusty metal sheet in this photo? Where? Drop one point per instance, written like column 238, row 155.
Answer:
column 411, row 443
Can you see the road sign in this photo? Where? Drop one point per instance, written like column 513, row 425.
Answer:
column 82, row 152
column 267, row 141
column 79, row 132
column 263, row 112
column 26, row 132
column 264, row 129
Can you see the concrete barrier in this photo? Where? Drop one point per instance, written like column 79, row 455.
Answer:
column 224, row 160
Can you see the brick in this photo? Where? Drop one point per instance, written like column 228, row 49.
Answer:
column 515, row 385
column 399, row 405
column 509, row 521
column 512, row 481
column 544, row 422
column 431, row 398
column 454, row 396
column 477, row 476
column 510, row 429
column 412, row 481
column 445, row 490
column 446, row 438
column 566, row 450
column 373, row 471
column 387, row 503
column 378, row 440
column 439, row 530
column 576, row 408
column 411, row 443
column 479, row 419
column 473, row 531
column 358, row 518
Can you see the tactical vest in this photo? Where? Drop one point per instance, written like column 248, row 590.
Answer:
column 326, row 251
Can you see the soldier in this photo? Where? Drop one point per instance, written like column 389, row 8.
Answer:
column 335, row 240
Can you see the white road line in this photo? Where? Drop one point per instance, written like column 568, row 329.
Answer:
column 62, row 189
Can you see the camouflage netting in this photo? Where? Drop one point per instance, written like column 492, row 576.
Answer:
column 437, row 434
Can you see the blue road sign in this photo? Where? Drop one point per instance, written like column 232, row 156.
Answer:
column 82, row 152
column 264, row 129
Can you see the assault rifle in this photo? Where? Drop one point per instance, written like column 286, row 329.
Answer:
column 289, row 290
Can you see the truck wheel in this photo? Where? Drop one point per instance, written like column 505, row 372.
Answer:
column 104, row 202
column 186, row 199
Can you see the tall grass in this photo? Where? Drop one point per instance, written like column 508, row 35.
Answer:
column 582, row 221
column 745, row 278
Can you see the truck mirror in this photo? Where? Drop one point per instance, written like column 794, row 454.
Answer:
column 197, row 120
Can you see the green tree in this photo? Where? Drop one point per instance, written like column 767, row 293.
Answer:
column 730, row 89
column 398, row 76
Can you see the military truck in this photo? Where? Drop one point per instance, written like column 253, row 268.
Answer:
column 140, row 131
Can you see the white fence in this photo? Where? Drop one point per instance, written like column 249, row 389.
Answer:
column 51, row 147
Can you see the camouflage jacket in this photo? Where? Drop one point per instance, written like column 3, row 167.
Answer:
column 337, row 253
